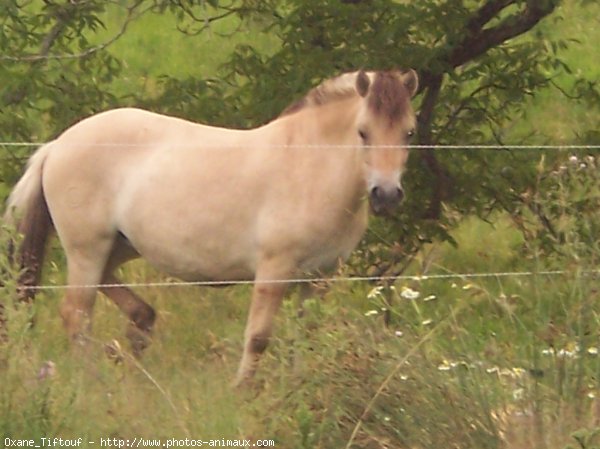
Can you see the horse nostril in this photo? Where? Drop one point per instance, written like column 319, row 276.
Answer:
column 376, row 193
column 384, row 198
column 400, row 193
column 395, row 194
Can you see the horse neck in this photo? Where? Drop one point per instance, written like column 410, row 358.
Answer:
column 333, row 123
column 333, row 127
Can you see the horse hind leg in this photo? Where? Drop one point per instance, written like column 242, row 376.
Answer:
column 85, row 268
column 141, row 315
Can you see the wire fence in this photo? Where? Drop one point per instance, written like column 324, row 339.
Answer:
column 310, row 280
column 304, row 280
column 11, row 144
column 13, row 156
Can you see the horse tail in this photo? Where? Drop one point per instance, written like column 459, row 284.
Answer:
column 27, row 211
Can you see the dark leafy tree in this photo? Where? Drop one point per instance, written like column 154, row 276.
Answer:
column 478, row 63
column 50, row 72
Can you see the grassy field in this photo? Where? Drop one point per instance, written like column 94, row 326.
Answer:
column 463, row 362
column 499, row 362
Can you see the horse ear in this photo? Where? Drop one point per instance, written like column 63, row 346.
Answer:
column 411, row 81
column 362, row 83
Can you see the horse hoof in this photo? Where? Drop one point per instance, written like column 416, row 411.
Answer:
column 139, row 340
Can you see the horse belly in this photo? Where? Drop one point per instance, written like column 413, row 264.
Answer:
column 192, row 245
column 182, row 213
column 196, row 251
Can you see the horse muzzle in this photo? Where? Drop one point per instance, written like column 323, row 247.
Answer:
column 384, row 200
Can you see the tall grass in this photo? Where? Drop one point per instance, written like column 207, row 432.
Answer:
column 486, row 364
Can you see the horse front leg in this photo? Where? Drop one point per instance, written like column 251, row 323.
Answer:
column 266, row 299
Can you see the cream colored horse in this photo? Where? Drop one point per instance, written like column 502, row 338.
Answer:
column 214, row 204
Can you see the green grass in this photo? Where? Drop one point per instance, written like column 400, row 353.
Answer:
column 550, row 113
column 153, row 47
column 467, row 359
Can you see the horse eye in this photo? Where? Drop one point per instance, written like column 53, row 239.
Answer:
column 363, row 134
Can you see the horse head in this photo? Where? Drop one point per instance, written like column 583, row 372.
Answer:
column 384, row 126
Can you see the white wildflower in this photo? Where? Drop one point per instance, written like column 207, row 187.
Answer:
column 444, row 366
column 518, row 372
column 47, row 370
column 518, row 394
column 375, row 292
column 409, row 293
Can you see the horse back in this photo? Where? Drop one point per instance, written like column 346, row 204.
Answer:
column 202, row 202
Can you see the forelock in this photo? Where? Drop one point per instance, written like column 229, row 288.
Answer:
column 388, row 96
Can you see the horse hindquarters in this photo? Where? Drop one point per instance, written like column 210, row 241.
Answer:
column 79, row 204
column 81, row 194
column 30, row 210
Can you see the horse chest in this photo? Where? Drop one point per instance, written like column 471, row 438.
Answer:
column 329, row 246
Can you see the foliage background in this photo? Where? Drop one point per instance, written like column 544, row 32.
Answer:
column 508, row 72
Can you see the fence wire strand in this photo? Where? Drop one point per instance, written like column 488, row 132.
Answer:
column 308, row 280
column 9, row 144
column 15, row 157
column 448, row 276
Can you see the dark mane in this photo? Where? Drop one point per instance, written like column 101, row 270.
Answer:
column 329, row 90
column 387, row 95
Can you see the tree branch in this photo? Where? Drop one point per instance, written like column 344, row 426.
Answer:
column 477, row 41
column 51, row 37
column 480, row 40
column 453, row 116
column 434, row 84
column 486, row 13
column 55, row 32
column 205, row 22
